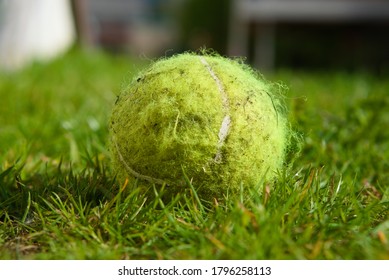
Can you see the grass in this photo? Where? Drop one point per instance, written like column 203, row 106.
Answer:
column 59, row 198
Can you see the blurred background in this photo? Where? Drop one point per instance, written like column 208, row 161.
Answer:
column 351, row 35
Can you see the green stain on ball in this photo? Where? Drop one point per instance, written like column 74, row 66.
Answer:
column 213, row 119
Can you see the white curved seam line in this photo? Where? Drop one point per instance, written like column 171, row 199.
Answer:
column 133, row 172
column 226, row 123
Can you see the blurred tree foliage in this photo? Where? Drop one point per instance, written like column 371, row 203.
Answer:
column 204, row 23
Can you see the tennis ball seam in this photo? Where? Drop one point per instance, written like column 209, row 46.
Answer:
column 222, row 135
column 226, row 123
column 133, row 172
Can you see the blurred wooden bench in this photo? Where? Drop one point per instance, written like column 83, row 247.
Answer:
column 266, row 13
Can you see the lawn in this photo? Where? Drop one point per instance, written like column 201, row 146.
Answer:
column 59, row 198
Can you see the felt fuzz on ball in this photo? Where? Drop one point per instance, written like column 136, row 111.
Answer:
column 210, row 119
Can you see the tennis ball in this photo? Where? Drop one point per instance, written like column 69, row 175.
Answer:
column 199, row 117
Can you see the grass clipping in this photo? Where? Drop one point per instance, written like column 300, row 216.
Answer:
column 204, row 118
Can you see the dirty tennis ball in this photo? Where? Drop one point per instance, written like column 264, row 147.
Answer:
column 198, row 118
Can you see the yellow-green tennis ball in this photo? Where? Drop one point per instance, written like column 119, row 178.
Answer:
column 209, row 119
